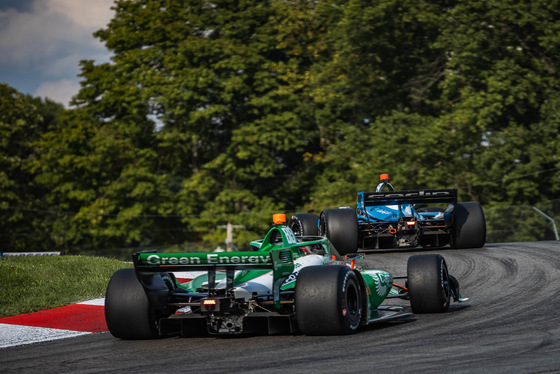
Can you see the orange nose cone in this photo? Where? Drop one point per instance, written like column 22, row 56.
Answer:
column 384, row 177
column 279, row 218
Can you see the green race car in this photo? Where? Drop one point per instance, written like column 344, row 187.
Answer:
column 288, row 284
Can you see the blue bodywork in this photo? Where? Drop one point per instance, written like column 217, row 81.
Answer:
column 389, row 218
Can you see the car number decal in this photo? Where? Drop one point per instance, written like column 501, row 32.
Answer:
column 290, row 237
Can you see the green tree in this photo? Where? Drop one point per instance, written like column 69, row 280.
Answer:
column 378, row 93
column 197, row 119
column 470, row 100
column 262, row 168
column 216, row 112
column 501, row 87
column 24, row 217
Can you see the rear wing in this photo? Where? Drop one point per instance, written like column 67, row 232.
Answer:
column 158, row 262
column 280, row 261
column 408, row 196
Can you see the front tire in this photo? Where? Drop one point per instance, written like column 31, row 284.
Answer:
column 469, row 226
column 128, row 312
column 340, row 226
column 428, row 284
column 328, row 300
column 304, row 224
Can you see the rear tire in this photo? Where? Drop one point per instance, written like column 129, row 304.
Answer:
column 304, row 224
column 428, row 284
column 469, row 226
column 328, row 300
column 340, row 226
column 127, row 309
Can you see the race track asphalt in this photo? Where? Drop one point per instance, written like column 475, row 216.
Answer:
column 511, row 324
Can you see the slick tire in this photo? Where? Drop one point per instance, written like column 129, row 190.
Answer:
column 128, row 312
column 340, row 226
column 469, row 226
column 428, row 284
column 328, row 300
column 304, row 224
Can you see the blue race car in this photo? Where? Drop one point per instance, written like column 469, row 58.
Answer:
column 389, row 218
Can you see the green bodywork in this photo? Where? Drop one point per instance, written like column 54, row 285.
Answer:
column 276, row 252
column 379, row 284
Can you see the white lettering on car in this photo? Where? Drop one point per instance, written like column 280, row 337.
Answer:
column 290, row 237
column 410, row 194
column 210, row 259
column 153, row 260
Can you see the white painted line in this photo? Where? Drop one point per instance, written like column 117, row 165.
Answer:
column 100, row 302
column 12, row 335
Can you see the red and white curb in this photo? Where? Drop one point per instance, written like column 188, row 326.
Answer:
column 59, row 323
column 83, row 318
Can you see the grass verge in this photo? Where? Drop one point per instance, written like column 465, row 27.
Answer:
column 33, row 283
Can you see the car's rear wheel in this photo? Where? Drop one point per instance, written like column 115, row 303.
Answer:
column 340, row 226
column 328, row 300
column 469, row 226
column 304, row 224
column 428, row 284
column 128, row 312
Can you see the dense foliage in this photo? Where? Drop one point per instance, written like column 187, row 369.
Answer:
column 218, row 111
column 24, row 219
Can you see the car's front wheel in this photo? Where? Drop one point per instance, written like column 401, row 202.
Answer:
column 304, row 224
column 340, row 226
column 428, row 284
